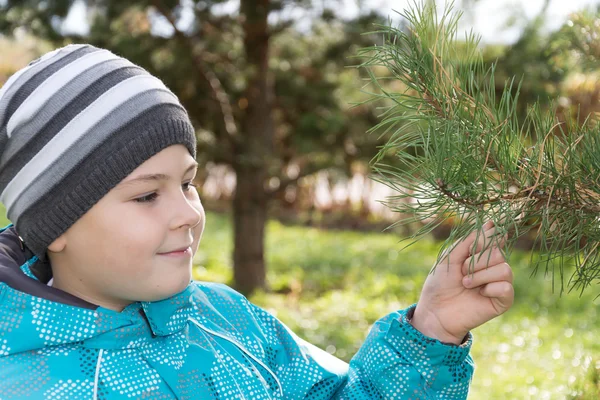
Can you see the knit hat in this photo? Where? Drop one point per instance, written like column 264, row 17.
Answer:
column 73, row 124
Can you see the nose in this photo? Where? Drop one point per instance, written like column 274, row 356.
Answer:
column 186, row 212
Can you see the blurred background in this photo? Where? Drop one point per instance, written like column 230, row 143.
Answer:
column 294, row 219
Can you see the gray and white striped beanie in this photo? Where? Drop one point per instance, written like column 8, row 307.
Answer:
column 73, row 124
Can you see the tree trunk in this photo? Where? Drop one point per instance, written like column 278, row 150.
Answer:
column 249, row 219
column 254, row 152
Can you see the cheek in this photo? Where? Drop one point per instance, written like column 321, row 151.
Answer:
column 133, row 235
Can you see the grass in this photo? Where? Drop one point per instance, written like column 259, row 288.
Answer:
column 329, row 287
column 334, row 285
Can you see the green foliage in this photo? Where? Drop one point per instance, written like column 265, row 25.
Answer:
column 575, row 46
column 42, row 19
column 475, row 159
column 314, row 90
column 329, row 287
column 530, row 61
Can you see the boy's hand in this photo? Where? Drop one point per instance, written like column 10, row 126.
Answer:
column 455, row 300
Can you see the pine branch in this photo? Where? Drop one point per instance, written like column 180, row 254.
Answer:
column 464, row 153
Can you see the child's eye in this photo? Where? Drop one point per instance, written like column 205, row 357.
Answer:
column 147, row 198
column 187, row 186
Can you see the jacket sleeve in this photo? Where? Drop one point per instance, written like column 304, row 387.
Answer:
column 395, row 362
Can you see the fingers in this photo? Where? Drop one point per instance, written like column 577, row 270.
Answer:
column 502, row 295
column 477, row 251
column 491, row 256
column 497, row 273
column 495, row 283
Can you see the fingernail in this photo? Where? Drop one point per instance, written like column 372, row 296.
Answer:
column 467, row 281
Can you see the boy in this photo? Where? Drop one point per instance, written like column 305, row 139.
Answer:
column 96, row 170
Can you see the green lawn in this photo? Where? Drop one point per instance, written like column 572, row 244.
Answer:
column 341, row 282
column 330, row 287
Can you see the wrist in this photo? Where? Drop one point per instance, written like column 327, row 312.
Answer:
column 429, row 325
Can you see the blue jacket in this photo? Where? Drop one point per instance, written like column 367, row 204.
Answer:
column 207, row 342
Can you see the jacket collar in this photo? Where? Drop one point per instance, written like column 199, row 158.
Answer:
column 33, row 323
column 141, row 322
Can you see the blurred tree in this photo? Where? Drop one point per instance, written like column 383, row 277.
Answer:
column 576, row 45
column 16, row 56
column 529, row 61
column 545, row 61
column 267, row 98
column 575, row 51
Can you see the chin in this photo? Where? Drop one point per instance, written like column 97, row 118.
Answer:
column 169, row 290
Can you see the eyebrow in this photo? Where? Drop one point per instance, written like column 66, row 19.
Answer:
column 151, row 178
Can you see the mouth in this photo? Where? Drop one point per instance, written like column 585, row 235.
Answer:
column 181, row 252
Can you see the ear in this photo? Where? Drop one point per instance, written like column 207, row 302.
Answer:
column 58, row 245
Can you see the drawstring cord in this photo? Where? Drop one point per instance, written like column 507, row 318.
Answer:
column 219, row 358
column 238, row 345
column 95, row 397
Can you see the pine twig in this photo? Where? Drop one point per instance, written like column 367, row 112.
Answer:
column 463, row 152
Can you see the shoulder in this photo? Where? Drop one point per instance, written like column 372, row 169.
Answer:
column 213, row 289
column 230, row 303
column 232, row 310
column 221, row 297
column 218, row 303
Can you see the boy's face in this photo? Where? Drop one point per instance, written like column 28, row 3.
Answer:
column 126, row 247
